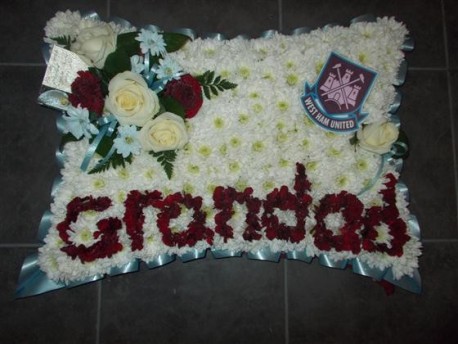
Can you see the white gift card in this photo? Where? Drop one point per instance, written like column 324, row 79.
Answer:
column 62, row 70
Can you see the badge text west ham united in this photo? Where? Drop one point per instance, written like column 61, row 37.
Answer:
column 334, row 102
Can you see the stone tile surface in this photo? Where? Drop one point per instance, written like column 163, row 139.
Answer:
column 228, row 17
column 451, row 23
column 428, row 171
column 28, row 139
column 337, row 306
column 62, row 316
column 232, row 300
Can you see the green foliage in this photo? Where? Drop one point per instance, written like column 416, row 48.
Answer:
column 166, row 159
column 117, row 62
column 65, row 41
column 171, row 105
column 128, row 43
column 212, row 85
column 174, row 41
column 115, row 161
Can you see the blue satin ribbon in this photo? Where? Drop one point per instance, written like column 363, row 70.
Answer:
column 45, row 225
column 160, row 260
column 187, row 32
column 108, row 124
column 300, row 31
column 213, row 35
column 219, row 253
column 33, row 281
column 121, row 22
column 243, row 36
column 414, row 227
column 192, row 254
column 55, row 99
column 90, row 15
column 153, row 28
column 408, row 44
column 299, row 255
column 268, row 34
column 326, row 260
column 150, row 72
column 401, row 75
column 394, row 107
column 132, row 266
column 363, row 269
column 265, row 254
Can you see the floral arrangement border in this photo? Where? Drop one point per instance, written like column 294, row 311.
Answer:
column 33, row 281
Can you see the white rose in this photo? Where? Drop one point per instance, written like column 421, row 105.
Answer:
column 165, row 132
column 94, row 42
column 378, row 137
column 130, row 100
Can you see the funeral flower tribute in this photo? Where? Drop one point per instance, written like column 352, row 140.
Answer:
column 174, row 145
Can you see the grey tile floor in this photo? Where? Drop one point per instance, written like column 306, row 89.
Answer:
column 234, row 301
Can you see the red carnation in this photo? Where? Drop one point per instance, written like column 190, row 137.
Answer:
column 87, row 92
column 187, row 92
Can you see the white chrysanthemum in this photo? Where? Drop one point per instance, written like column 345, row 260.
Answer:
column 63, row 24
column 251, row 136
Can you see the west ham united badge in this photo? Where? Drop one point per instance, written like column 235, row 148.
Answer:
column 335, row 101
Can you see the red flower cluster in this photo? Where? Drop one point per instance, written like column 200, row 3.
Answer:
column 107, row 230
column 134, row 217
column 389, row 215
column 187, row 92
column 351, row 209
column 170, row 208
column 224, row 199
column 196, row 230
column 359, row 232
column 87, row 92
column 284, row 200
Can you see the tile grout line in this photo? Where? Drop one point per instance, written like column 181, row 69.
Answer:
column 439, row 240
column 285, row 287
column 280, row 15
column 108, row 8
column 22, row 64
column 17, row 245
column 98, row 312
column 450, row 104
column 428, row 69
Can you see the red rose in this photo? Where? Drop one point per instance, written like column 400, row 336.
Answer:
column 87, row 92
column 187, row 92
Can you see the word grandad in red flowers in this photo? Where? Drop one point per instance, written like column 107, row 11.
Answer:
column 357, row 232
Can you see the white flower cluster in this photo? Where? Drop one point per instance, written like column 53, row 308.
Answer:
column 70, row 23
column 250, row 136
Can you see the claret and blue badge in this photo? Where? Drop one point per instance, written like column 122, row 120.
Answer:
column 335, row 101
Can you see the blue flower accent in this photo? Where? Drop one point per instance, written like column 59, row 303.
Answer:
column 77, row 122
column 137, row 64
column 127, row 142
column 151, row 41
column 168, row 69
